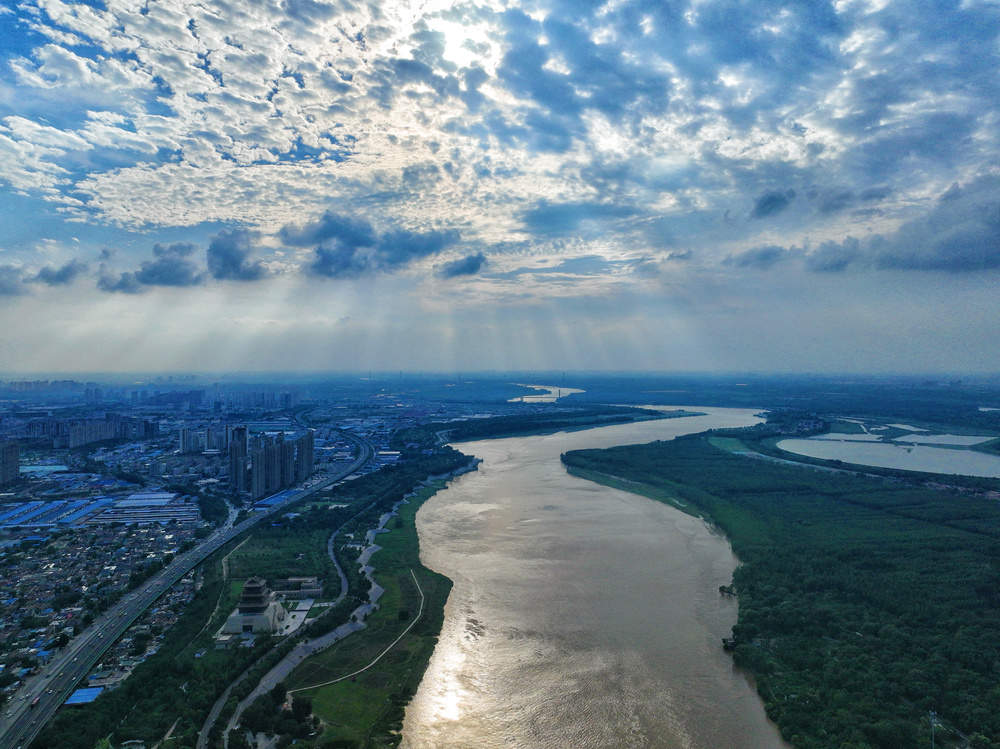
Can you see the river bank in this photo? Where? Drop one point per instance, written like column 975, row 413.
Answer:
column 359, row 686
column 863, row 602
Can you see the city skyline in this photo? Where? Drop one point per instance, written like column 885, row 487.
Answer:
column 447, row 186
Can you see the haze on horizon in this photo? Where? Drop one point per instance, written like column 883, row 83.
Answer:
column 537, row 185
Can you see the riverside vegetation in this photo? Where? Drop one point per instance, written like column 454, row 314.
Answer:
column 367, row 710
column 865, row 603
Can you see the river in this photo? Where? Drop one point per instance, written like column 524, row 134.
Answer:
column 582, row 616
column 905, row 457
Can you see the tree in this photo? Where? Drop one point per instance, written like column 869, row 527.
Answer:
column 278, row 694
column 301, row 708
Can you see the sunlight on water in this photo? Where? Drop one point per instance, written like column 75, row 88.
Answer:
column 581, row 616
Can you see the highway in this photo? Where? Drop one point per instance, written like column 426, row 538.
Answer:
column 21, row 722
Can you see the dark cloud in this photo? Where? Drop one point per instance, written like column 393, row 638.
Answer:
column 349, row 248
column 760, row 258
column 472, row 79
column 62, row 275
column 170, row 266
column 228, row 257
column 836, row 201
column 875, row 193
column 960, row 233
column 469, row 265
column 832, row 257
column 11, row 280
column 339, row 261
column 123, row 283
column 399, row 248
column 680, row 255
column 772, row 203
column 565, row 218
column 421, row 176
column 348, row 231
column 309, row 11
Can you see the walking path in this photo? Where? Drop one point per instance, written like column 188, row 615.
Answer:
column 379, row 657
column 310, row 647
column 319, row 642
column 306, row 648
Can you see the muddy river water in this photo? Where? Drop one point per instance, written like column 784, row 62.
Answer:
column 582, row 616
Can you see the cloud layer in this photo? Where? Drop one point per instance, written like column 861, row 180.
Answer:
column 539, row 151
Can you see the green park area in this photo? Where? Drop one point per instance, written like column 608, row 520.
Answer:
column 367, row 709
column 274, row 552
column 865, row 602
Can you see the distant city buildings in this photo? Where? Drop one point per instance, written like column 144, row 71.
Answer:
column 73, row 433
column 10, row 462
column 200, row 440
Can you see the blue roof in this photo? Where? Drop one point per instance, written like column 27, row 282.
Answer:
column 83, row 696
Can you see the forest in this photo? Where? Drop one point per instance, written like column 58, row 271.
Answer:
column 864, row 603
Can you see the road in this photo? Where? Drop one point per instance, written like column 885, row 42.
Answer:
column 21, row 722
column 297, row 655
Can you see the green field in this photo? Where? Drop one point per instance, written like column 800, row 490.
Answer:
column 277, row 552
column 367, row 709
column 729, row 444
column 846, row 427
column 865, row 603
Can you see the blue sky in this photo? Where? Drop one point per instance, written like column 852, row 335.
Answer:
column 712, row 185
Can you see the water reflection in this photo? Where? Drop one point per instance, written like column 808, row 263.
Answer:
column 581, row 616
column 907, row 457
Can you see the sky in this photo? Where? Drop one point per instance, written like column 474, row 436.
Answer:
column 553, row 184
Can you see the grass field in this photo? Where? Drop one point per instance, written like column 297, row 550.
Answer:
column 281, row 552
column 729, row 444
column 368, row 708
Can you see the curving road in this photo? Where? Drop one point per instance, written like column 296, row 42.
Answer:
column 24, row 718
column 307, row 647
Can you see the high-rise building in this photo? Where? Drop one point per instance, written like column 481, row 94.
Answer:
column 304, row 460
column 10, row 462
column 272, row 466
column 275, row 462
column 287, row 448
column 238, row 459
column 258, row 482
column 239, row 435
